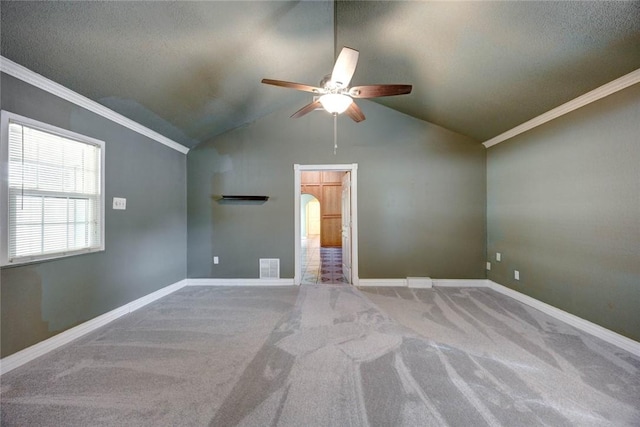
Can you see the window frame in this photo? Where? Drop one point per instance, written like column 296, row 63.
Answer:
column 7, row 117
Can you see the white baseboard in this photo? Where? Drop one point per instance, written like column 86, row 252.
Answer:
column 383, row 282
column 460, row 283
column 240, row 282
column 424, row 282
column 30, row 353
column 577, row 322
column 420, row 282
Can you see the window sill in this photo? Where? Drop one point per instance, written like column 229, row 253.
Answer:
column 50, row 257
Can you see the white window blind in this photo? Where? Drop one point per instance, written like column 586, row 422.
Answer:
column 54, row 191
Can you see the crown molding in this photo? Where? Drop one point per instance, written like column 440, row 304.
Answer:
column 18, row 71
column 589, row 97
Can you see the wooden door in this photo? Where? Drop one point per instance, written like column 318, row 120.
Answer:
column 326, row 186
column 330, row 226
column 330, row 209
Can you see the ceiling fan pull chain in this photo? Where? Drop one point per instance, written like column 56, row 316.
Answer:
column 335, row 133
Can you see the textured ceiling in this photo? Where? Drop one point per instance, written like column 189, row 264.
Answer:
column 192, row 70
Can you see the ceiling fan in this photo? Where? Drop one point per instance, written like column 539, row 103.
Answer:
column 334, row 93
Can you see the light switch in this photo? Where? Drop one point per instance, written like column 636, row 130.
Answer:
column 488, row 265
column 119, row 203
column 498, row 256
column 516, row 274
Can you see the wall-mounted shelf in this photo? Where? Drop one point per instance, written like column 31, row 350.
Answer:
column 245, row 198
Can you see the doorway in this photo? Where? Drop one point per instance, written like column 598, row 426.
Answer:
column 341, row 226
column 321, row 227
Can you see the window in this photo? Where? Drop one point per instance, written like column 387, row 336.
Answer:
column 52, row 191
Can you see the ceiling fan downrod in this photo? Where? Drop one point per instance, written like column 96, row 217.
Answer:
column 335, row 133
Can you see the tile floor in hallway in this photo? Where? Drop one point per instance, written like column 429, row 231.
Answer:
column 321, row 265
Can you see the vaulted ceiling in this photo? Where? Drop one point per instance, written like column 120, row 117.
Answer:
column 192, row 70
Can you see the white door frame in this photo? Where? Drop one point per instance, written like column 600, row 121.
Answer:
column 298, row 169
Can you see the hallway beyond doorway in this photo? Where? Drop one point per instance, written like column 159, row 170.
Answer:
column 321, row 265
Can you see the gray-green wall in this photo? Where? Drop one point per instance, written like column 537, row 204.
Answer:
column 145, row 244
column 421, row 195
column 563, row 208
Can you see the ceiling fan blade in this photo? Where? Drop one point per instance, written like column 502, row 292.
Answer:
column 375, row 91
column 291, row 85
column 345, row 67
column 306, row 109
column 355, row 113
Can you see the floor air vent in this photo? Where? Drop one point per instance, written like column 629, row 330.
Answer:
column 269, row 268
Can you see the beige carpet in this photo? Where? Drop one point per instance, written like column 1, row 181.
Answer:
column 329, row 356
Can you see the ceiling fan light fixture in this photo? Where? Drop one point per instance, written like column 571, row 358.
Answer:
column 335, row 103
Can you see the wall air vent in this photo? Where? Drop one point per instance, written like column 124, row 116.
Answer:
column 269, row 268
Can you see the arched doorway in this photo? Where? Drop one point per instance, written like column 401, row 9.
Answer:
column 309, row 216
column 310, row 239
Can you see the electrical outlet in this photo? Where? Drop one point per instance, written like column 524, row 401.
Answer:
column 216, row 260
column 119, row 203
column 488, row 265
column 516, row 274
column 498, row 256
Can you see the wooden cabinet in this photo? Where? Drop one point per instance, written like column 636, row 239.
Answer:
column 326, row 186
